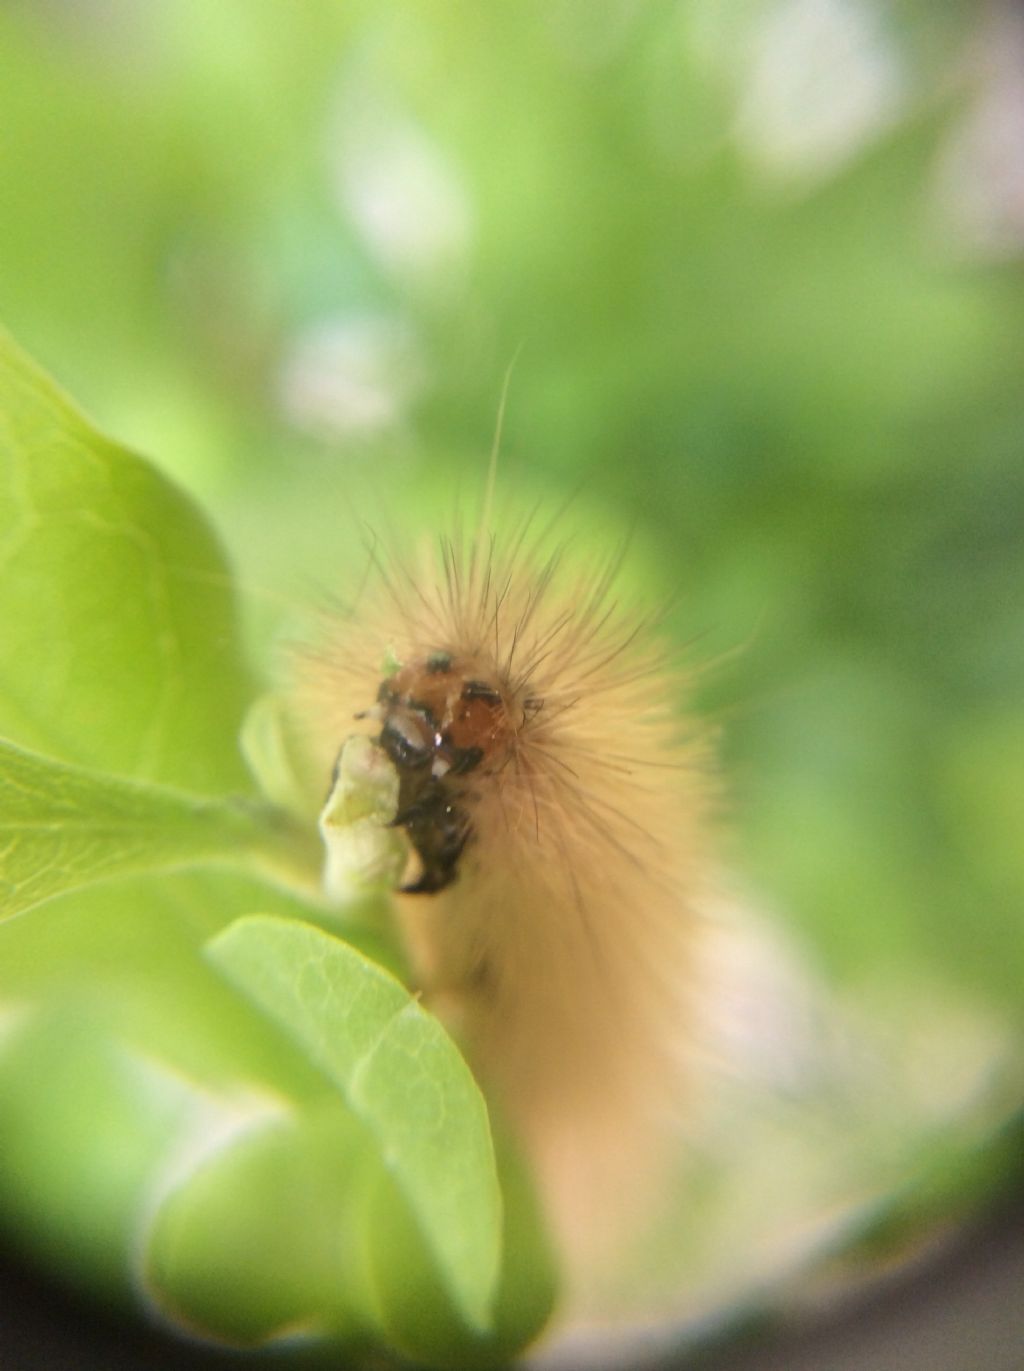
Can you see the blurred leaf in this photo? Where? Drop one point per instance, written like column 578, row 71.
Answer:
column 413, row 1308
column 119, row 645
column 122, row 1053
column 128, row 949
column 62, row 827
column 399, row 1073
column 247, row 1242
column 83, row 1123
column 284, row 1223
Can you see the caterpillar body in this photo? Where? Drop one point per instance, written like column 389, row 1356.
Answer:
column 555, row 809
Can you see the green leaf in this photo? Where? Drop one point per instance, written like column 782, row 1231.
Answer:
column 120, row 646
column 129, row 950
column 247, row 1239
column 399, row 1073
column 63, row 826
column 278, row 1222
column 413, row 1310
column 84, row 1123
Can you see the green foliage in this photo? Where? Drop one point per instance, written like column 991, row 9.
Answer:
column 120, row 647
column 149, row 1116
column 398, row 1073
column 247, row 1271
column 62, row 827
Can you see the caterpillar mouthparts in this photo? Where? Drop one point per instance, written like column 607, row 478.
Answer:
column 440, row 723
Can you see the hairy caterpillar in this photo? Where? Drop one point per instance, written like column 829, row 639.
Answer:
column 554, row 809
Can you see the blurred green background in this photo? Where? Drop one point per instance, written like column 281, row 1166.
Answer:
column 760, row 264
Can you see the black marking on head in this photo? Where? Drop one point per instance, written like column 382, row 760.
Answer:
column 402, row 751
column 439, row 662
column 480, row 690
column 438, row 831
column 465, row 759
column 425, row 712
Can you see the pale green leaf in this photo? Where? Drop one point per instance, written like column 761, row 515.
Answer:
column 399, row 1073
column 63, row 826
column 246, row 1239
column 119, row 646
